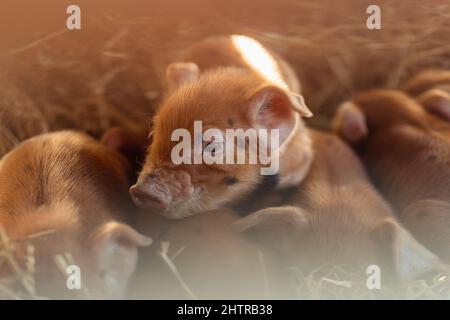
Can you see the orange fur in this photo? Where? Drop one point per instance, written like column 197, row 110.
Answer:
column 338, row 211
column 407, row 152
column 70, row 185
column 335, row 217
column 426, row 80
column 221, row 98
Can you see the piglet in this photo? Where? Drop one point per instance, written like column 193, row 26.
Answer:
column 337, row 218
column 204, row 257
column 65, row 194
column 405, row 143
column 228, row 82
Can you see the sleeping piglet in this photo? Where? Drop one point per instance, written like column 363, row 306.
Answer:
column 211, row 261
column 405, row 144
column 66, row 193
column 336, row 217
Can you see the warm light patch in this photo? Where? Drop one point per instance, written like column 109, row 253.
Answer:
column 257, row 57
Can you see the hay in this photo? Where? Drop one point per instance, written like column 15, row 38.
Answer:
column 25, row 276
column 113, row 73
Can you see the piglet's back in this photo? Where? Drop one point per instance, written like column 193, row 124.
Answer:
column 65, row 195
column 337, row 177
column 407, row 150
column 242, row 52
column 50, row 168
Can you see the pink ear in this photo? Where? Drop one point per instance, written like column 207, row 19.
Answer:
column 271, row 108
column 180, row 73
column 436, row 101
column 121, row 234
column 115, row 138
column 114, row 248
column 410, row 257
column 130, row 144
column 350, row 122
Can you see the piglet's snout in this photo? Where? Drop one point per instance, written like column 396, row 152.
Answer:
column 162, row 188
column 151, row 195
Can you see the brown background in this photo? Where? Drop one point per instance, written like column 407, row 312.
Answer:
column 328, row 43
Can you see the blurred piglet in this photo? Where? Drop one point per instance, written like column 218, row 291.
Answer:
column 204, row 257
column 336, row 217
column 228, row 82
column 407, row 152
column 65, row 194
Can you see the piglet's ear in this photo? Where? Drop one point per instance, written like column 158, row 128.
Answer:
column 181, row 73
column 116, row 138
column 411, row 259
column 299, row 105
column 130, row 144
column 272, row 108
column 114, row 246
column 120, row 233
column 277, row 227
column 350, row 122
column 436, row 101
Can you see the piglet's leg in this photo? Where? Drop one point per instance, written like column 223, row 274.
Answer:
column 276, row 227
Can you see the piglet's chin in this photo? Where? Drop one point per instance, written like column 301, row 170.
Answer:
column 176, row 214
